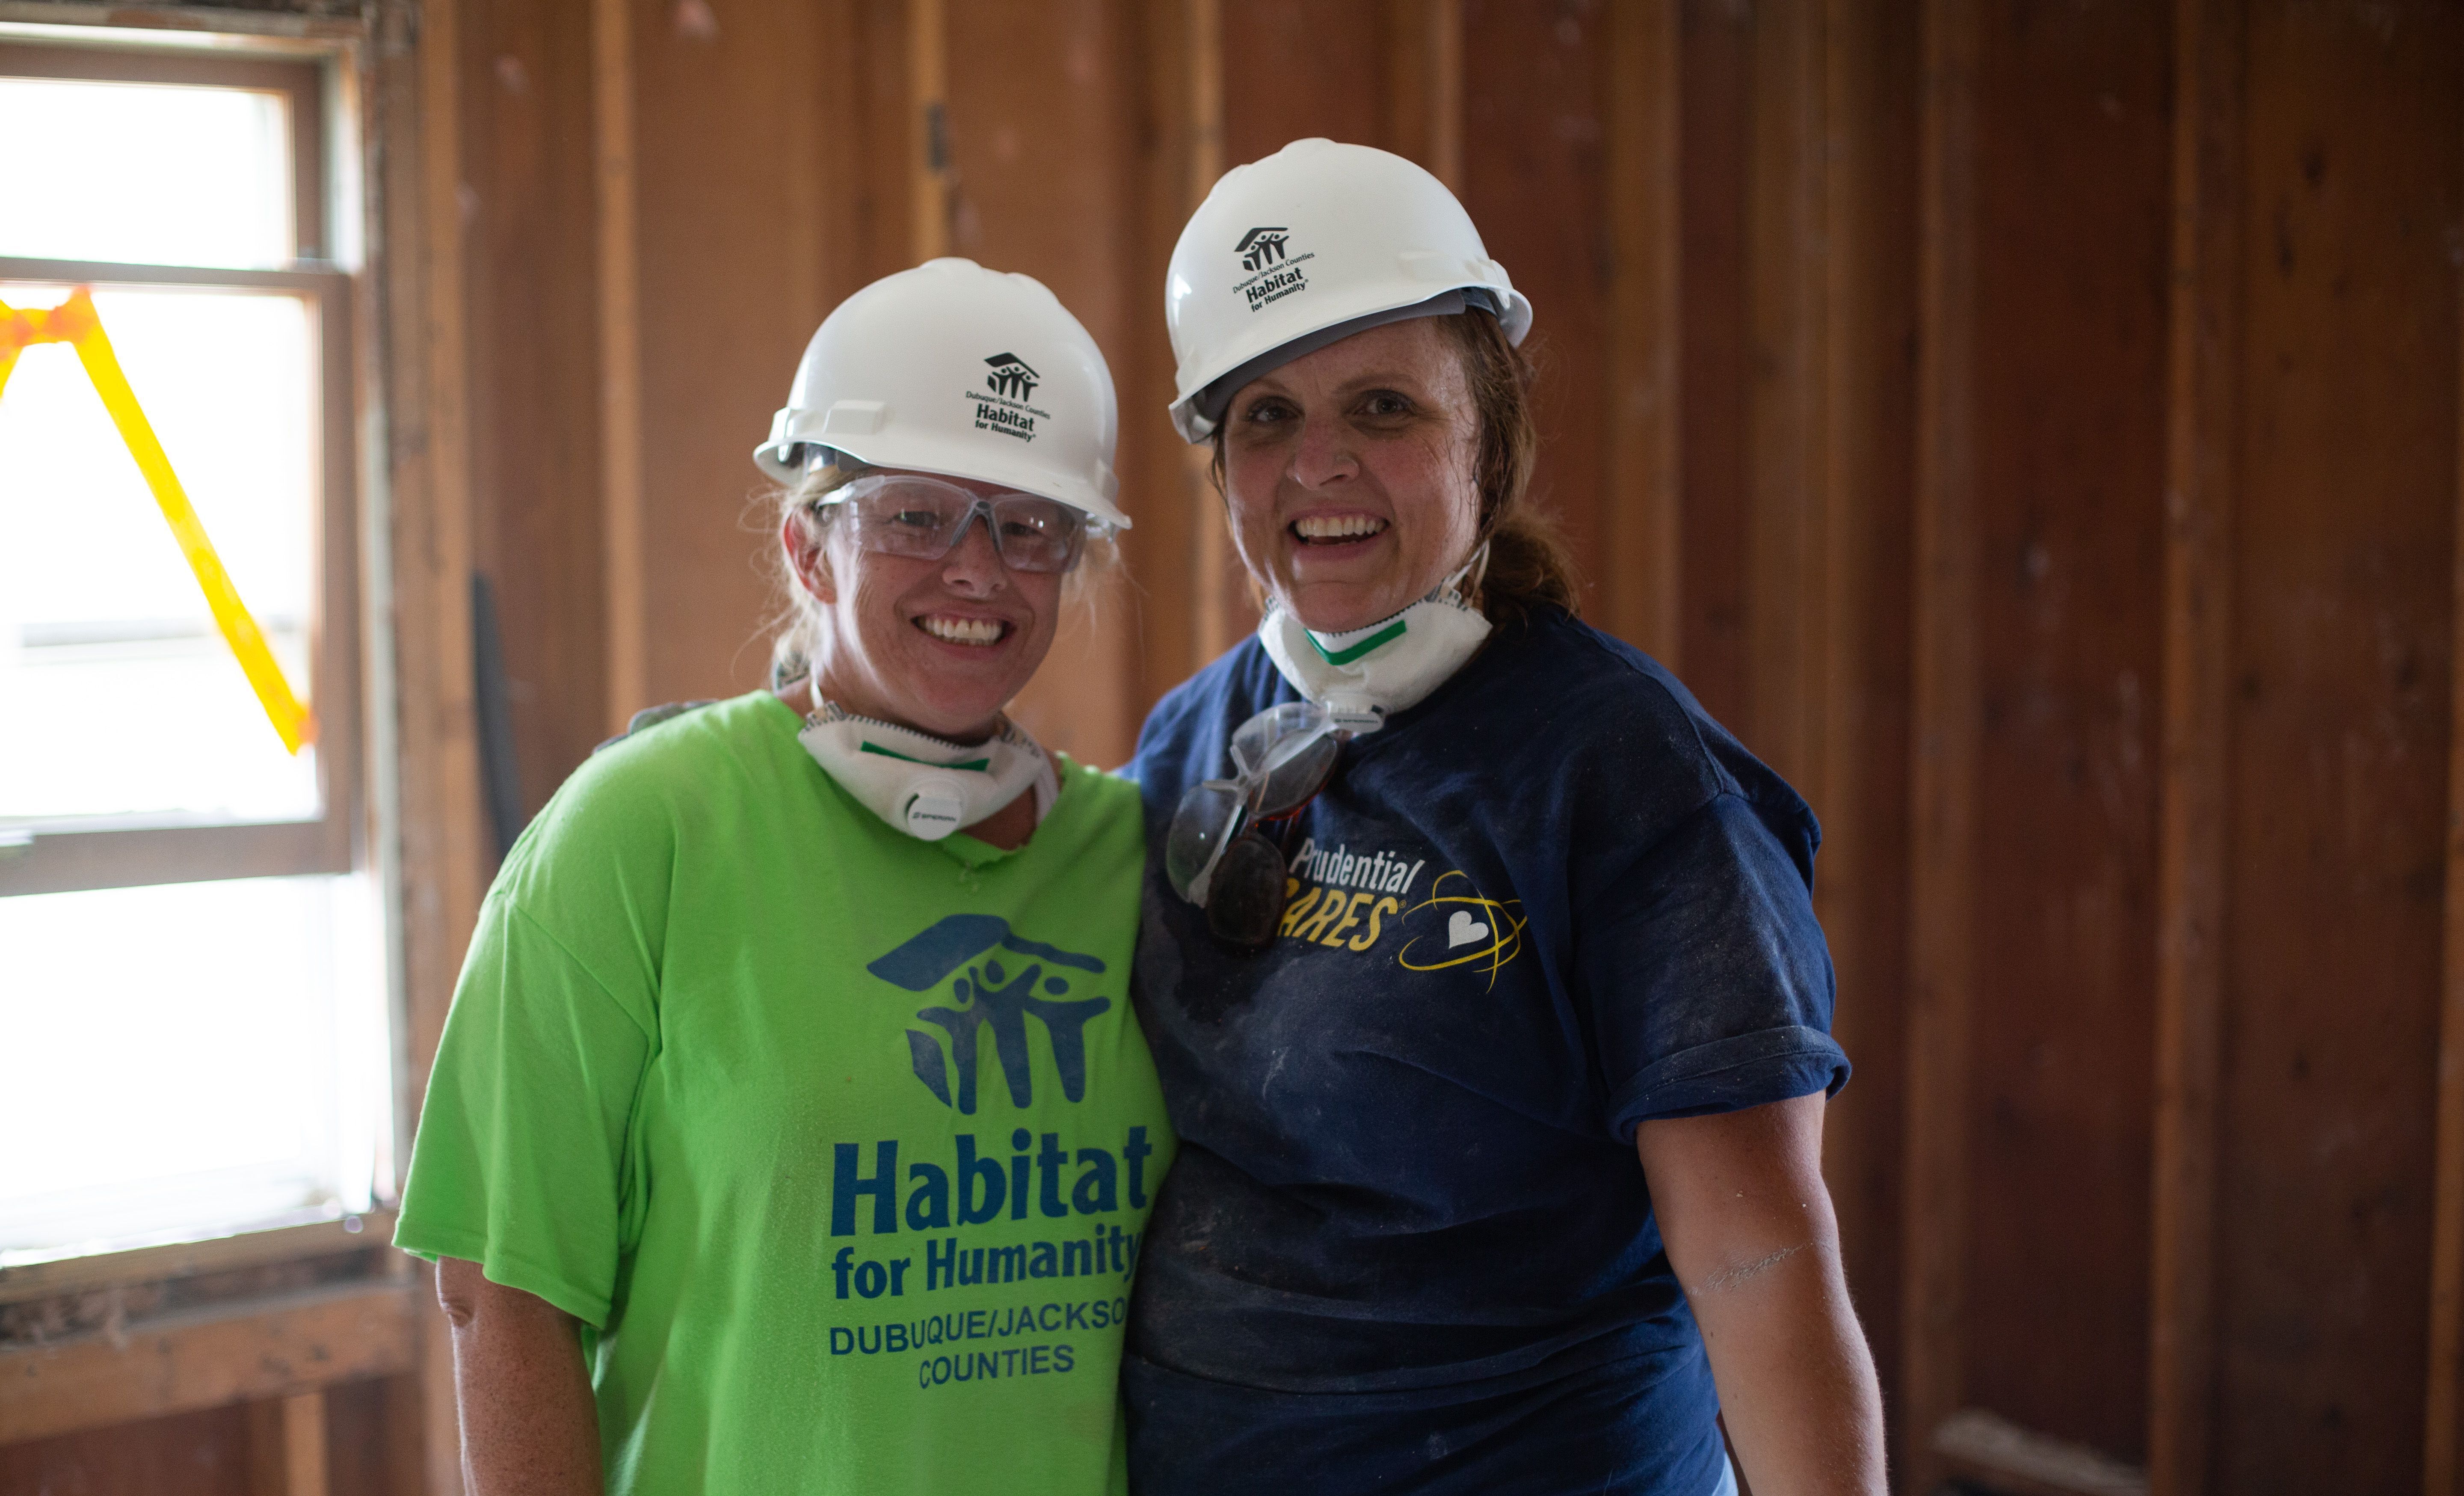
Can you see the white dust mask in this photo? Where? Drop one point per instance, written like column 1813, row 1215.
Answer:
column 925, row 785
column 1360, row 676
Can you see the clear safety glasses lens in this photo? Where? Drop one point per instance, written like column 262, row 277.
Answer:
column 901, row 515
column 1213, row 853
column 1285, row 752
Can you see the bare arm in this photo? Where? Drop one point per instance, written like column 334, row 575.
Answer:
column 530, row 1426
column 1749, row 1228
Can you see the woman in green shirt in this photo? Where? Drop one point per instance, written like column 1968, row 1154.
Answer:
column 790, row 1130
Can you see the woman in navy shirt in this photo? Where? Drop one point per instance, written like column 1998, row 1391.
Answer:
column 1480, row 964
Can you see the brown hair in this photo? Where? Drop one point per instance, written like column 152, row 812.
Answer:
column 1529, row 563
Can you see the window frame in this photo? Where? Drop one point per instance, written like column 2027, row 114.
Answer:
column 35, row 861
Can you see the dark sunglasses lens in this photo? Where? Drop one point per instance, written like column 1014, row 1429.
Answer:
column 1291, row 782
column 1207, row 814
column 1245, row 901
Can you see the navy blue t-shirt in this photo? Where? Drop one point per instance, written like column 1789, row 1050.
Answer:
column 1407, row 1243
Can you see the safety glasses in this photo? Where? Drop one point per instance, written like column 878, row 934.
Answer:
column 1215, row 854
column 901, row 514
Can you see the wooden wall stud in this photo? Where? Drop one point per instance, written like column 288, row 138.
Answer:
column 2201, row 446
column 2443, row 1452
column 928, row 159
column 1943, row 863
column 1643, row 516
column 625, row 607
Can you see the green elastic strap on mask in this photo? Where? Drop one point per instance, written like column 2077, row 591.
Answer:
column 979, row 765
column 1345, row 656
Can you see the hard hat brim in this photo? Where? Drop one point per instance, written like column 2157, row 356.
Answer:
column 1207, row 392
column 794, row 428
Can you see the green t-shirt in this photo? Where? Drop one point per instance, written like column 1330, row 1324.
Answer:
column 841, row 1142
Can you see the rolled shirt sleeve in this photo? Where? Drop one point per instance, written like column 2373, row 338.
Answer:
column 1707, row 976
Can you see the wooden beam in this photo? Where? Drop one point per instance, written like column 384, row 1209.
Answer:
column 2443, row 1449
column 620, row 360
column 1644, row 516
column 2201, row 443
column 1787, row 254
column 184, row 1362
column 286, row 1440
column 1213, row 567
column 1942, row 829
column 170, row 1262
column 441, row 867
column 272, row 27
column 303, row 1443
column 928, row 151
column 2001, row 1456
column 1864, row 452
column 1425, row 86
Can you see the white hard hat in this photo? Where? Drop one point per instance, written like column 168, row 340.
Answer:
column 1315, row 243
column 952, row 369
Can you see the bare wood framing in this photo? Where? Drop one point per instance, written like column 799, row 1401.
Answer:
column 1425, row 84
column 2004, row 1457
column 1644, row 518
column 303, row 1443
column 1860, row 449
column 620, row 359
column 182, row 1363
column 1945, row 740
column 1213, row 564
column 1162, row 551
column 76, row 861
column 185, row 24
column 1787, row 253
column 287, row 1445
column 419, row 137
column 2201, row 434
column 2443, row 1445
column 928, row 86
column 176, row 1261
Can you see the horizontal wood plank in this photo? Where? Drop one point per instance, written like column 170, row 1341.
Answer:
column 181, row 1363
column 281, row 1243
column 77, row 860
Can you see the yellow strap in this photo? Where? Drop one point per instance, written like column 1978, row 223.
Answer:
column 74, row 322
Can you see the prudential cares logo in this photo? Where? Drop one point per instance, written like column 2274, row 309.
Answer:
column 1274, row 271
column 1007, row 980
column 1001, row 404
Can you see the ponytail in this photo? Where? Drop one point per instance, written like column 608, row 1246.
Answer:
column 1529, row 563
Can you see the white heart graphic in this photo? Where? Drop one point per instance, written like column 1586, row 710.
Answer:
column 1462, row 929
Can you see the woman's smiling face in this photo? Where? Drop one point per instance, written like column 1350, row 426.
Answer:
column 940, row 645
column 1350, row 474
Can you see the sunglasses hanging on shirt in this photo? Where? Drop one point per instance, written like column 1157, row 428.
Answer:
column 1217, row 852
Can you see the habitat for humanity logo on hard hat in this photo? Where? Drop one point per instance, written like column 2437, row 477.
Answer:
column 1274, row 270
column 1002, row 404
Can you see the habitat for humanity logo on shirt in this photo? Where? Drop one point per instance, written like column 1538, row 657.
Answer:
column 1031, row 1231
column 994, row 997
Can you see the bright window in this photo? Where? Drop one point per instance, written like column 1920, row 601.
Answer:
column 102, row 625
column 190, row 951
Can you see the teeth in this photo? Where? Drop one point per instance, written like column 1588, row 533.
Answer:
column 1337, row 526
column 962, row 631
